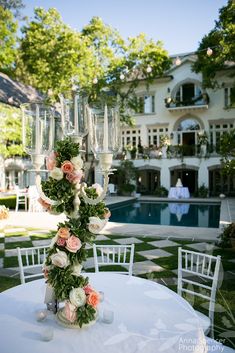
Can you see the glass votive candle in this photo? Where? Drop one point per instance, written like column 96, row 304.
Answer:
column 41, row 315
column 108, row 316
column 47, row 334
column 101, row 294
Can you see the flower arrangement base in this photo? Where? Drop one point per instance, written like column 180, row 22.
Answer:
column 61, row 319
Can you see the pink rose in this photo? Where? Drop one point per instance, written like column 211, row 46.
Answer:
column 93, row 299
column 73, row 244
column 67, row 167
column 70, row 311
column 63, row 232
column 44, row 204
column 74, row 177
column 88, row 289
column 61, row 241
column 51, row 161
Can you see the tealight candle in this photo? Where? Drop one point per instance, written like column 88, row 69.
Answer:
column 41, row 315
column 108, row 316
column 101, row 294
column 47, row 334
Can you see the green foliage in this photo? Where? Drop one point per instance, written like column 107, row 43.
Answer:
column 10, row 127
column 8, row 29
column 222, row 40
column 49, row 53
column 63, row 281
column 227, row 235
column 86, row 314
column 126, row 176
column 54, row 56
column 66, row 150
column 161, row 191
column 202, row 191
column 9, row 201
column 13, row 5
column 227, row 150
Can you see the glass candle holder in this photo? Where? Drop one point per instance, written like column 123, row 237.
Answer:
column 108, row 316
column 41, row 315
column 47, row 334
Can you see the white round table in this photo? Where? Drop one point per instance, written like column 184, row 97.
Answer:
column 148, row 318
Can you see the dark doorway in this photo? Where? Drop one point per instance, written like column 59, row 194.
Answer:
column 188, row 140
column 188, row 177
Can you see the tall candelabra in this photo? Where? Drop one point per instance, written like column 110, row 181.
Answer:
column 65, row 191
column 43, row 125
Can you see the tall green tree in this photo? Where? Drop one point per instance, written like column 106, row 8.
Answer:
column 10, row 127
column 227, row 150
column 8, row 29
column 49, row 52
column 53, row 56
column 222, row 41
column 13, row 5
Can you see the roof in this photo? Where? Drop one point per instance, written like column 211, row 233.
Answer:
column 15, row 93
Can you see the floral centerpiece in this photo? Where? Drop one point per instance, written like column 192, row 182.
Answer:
column 62, row 192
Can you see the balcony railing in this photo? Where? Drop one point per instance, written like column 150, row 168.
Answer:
column 172, row 151
column 200, row 102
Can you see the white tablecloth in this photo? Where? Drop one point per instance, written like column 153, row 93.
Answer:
column 179, row 193
column 147, row 317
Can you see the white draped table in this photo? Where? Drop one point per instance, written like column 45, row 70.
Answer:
column 179, row 193
column 148, row 318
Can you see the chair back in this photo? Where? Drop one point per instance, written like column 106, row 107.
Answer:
column 31, row 259
column 200, row 268
column 110, row 255
column 21, row 198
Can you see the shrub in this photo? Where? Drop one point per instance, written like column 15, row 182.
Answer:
column 127, row 188
column 161, row 191
column 227, row 235
column 8, row 201
column 203, row 191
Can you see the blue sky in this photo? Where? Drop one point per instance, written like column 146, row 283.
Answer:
column 180, row 24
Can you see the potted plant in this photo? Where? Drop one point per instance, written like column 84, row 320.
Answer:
column 227, row 237
column 202, row 142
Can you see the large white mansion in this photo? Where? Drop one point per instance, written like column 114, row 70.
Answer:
column 179, row 127
column 176, row 135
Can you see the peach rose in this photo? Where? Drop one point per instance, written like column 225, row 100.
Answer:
column 44, row 204
column 75, row 177
column 67, row 167
column 93, row 299
column 51, row 161
column 63, row 232
column 73, row 244
column 70, row 311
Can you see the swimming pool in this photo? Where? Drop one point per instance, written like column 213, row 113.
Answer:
column 167, row 213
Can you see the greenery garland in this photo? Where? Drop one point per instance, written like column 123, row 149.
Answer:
column 62, row 268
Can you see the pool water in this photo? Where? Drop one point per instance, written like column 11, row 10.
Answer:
column 170, row 214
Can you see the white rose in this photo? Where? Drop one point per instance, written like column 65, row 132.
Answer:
column 77, row 297
column 96, row 224
column 60, row 259
column 76, row 268
column 57, row 173
column 77, row 162
column 98, row 188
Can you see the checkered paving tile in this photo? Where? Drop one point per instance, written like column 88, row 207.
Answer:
column 163, row 243
column 154, row 254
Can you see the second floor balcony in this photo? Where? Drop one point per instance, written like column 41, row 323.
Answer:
column 200, row 102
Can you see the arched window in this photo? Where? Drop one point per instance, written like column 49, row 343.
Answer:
column 188, row 124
